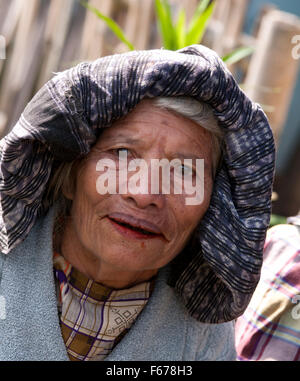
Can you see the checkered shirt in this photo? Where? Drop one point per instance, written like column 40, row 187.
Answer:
column 270, row 327
column 94, row 317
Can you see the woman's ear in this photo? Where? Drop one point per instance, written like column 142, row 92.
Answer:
column 69, row 182
column 68, row 190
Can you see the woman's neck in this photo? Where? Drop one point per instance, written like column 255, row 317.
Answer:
column 95, row 268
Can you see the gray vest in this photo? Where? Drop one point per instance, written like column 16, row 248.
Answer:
column 29, row 323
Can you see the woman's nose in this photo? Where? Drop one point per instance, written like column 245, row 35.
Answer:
column 144, row 201
column 141, row 191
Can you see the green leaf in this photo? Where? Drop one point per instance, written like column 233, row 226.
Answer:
column 180, row 30
column 164, row 18
column 169, row 25
column 238, row 54
column 113, row 26
column 198, row 24
column 277, row 220
column 200, row 9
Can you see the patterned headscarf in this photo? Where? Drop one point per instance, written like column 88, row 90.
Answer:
column 217, row 274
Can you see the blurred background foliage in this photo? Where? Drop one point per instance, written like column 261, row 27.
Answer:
column 176, row 35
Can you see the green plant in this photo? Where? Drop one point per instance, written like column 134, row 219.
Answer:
column 277, row 220
column 176, row 35
column 238, row 54
column 114, row 27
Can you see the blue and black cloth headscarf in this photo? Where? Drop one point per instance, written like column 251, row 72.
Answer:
column 216, row 274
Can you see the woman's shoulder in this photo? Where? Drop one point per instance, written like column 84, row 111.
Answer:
column 200, row 341
column 209, row 342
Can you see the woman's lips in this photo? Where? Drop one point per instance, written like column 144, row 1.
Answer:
column 133, row 227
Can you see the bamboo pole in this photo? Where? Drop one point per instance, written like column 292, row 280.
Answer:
column 3, row 122
column 218, row 23
column 55, row 36
column 138, row 22
column 235, row 23
column 227, row 22
column 9, row 17
column 22, row 64
column 272, row 70
column 8, row 23
column 93, row 40
column 4, row 7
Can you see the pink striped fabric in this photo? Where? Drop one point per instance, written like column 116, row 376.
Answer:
column 269, row 329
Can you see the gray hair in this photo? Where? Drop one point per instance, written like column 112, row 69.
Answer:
column 200, row 112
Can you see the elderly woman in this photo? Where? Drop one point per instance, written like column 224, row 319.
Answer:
column 88, row 273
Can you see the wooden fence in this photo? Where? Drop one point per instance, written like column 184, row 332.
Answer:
column 43, row 37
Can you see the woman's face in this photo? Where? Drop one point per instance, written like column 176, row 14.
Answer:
column 124, row 238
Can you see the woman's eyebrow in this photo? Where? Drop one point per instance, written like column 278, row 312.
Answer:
column 182, row 156
column 122, row 139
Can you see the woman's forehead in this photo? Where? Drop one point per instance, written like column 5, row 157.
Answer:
column 151, row 124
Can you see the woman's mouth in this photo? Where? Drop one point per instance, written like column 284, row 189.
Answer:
column 134, row 228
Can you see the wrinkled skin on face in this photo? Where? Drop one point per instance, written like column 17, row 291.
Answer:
column 103, row 237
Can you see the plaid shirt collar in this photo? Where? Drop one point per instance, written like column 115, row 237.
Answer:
column 93, row 317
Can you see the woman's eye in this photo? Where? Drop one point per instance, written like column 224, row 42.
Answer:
column 185, row 170
column 121, row 151
column 122, row 155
